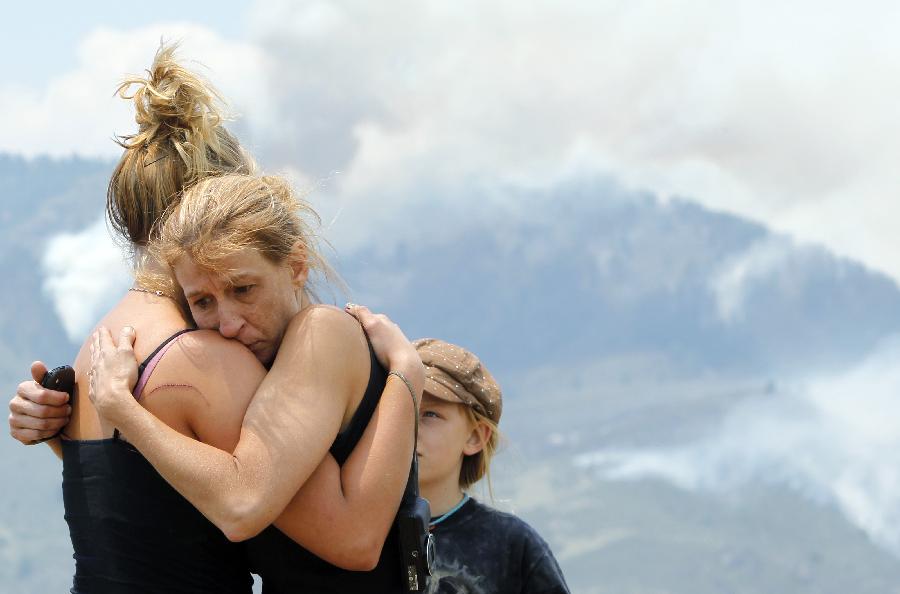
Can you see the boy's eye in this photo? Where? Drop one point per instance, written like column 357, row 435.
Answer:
column 243, row 289
column 431, row 414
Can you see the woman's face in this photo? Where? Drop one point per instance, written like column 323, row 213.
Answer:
column 252, row 303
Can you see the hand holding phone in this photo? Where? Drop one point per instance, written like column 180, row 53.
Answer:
column 36, row 412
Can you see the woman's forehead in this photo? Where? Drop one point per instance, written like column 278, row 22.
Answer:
column 247, row 258
column 245, row 264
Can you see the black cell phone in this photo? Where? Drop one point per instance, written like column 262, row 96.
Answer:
column 61, row 379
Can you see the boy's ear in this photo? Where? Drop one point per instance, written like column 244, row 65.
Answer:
column 299, row 265
column 479, row 437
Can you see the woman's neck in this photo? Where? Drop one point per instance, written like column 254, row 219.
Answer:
column 151, row 276
column 150, row 269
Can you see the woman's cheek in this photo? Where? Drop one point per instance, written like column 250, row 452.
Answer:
column 204, row 319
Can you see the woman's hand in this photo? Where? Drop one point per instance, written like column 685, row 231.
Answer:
column 114, row 372
column 393, row 349
column 35, row 413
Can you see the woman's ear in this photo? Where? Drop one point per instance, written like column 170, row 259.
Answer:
column 299, row 265
column 479, row 437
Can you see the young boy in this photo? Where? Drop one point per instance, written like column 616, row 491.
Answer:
column 478, row 549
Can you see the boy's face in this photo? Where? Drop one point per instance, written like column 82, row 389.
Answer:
column 445, row 435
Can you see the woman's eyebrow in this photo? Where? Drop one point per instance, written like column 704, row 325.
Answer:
column 236, row 277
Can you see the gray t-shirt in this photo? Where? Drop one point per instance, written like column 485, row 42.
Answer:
column 479, row 550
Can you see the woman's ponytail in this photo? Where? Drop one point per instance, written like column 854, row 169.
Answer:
column 180, row 140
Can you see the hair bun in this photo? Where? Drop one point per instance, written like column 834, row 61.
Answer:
column 180, row 140
column 173, row 104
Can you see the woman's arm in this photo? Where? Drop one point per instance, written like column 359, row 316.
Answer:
column 344, row 514
column 348, row 528
column 288, row 429
column 209, row 381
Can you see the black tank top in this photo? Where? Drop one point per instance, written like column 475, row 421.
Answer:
column 287, row 568
column 133, row 533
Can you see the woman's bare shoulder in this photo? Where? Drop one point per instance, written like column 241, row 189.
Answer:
column 206, row 358
column 326, row 317
column 323, row 313
column 323, row 337
column 208, row 345
column 205, row 382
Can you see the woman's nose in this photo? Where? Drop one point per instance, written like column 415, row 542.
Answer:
column 230, row 323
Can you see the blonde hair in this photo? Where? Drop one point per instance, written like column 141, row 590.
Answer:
column 180, row 139
column 478, row 465
column 221, row 215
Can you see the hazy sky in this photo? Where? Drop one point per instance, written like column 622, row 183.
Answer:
column 40, row 37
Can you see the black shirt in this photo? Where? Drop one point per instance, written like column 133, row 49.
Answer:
column 132, row 533
column 480, row 550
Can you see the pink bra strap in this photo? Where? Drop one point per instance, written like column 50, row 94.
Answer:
column 151, row 365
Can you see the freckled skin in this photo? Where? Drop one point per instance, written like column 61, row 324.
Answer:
column 253, row 303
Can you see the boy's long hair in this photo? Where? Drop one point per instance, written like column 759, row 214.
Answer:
column 478, row 466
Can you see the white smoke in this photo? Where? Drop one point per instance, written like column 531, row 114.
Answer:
column 85, row 274
column 774, row 261
column 835, row 439
column 784, row 112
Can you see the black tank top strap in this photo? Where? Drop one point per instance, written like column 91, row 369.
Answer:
column 347, row 439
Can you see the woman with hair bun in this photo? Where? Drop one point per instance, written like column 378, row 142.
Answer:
column 130, row 530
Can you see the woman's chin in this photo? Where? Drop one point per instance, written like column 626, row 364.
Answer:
column 263, row 352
